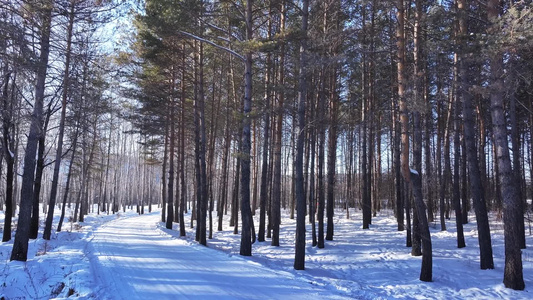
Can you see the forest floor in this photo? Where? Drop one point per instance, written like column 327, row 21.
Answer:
column 130, row 256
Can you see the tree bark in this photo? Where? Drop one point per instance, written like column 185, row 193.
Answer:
column 299, row 257
column 20, row 245
column 456, row 177
column 512, row 214
column 8, row 145
column 170, row 189
column 246, row 214
column 276, row 180
column 264, row 168
column 476, row 183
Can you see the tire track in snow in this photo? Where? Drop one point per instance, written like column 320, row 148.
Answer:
column 132, row 260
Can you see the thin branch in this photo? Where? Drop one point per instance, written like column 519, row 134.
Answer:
column 213, row 44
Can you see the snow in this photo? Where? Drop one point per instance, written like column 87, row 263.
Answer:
column 129, row 256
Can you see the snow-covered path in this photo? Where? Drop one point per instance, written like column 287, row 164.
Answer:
column 135, row 260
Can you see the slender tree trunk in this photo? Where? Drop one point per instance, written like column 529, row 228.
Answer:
column 246, row 214
column 8, row 144
column 59, row 148
column 164, row 172
column 202, row 222
column 397, row 167
column 456, row 177
column 224, row 180
column 276, row 180
column 39, row 169
column 476, row 182
column 465, row 200
column 515, row 146
column 182, row 160
column 512, row 213
column 299, row 258
column 264, row 168
column 312, row 202
column 320, row 177
column 67, row 184
column 404, row 117
column 170, row 189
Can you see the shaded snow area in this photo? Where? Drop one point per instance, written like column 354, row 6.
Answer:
column 127, row 256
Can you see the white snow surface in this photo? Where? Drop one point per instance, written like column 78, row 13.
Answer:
column 127, row 256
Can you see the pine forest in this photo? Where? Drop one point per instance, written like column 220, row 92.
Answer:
column 266, row 149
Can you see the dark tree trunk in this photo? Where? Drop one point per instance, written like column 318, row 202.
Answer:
column 397, row 168
column 465, row 201
column 39, row 169
column 264, row 168
column 8, row 144
column 67, row 184
column 416, row 176
column 170, row 189
column 164, row 173
column 20, row 245
column 299, row 257
column 224, row 181
column 332, row 155
column 512, row 215
column 426, row 270
column 404, row 117
column 320, row 177
column 181, row 161
column 515, row 146
column 246, row 213
column 312, row 202
column 275, row 207
column 456, row 177
column 366, row 202
column 202, row 205
column 476, row 183
column 59, row 148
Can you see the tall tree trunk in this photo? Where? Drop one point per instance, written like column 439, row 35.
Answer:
column 59, row 148
column 246, row 214
column 224, row 181
column 39, row 169
column 512, row 213
column 312, row 197
column 515, row 146
column 404, row 117
column 182, row 161
column 321, row 149
column 20, row 245
column 276, row 180
column 264, row 168
column 8, row 145
column 456, row 176
column 170, row 189
column 416, row 177
column 69, row 176
column 397, row 166
column 299, row 257
column 465, row 200
column 202, row 222
column 164, row 171
column 332, row 155
column 476, row 183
